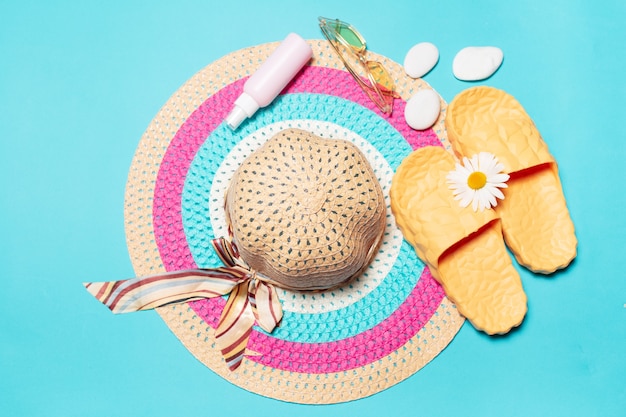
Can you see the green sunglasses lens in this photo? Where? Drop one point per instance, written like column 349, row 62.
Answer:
column 348, row 34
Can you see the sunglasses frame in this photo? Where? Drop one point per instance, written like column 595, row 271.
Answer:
column 380, row 95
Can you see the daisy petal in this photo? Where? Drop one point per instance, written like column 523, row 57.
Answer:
column 497, row 193
column 467, row 196
column 486, row 162
column 499, row 167
column 481, row 196
column 456, row 177
column 474, row 163
column 499, row 178
column 467, row 165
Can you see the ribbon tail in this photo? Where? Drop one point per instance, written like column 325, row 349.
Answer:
column 235, row 326
column 266, row 306
column 145, row 293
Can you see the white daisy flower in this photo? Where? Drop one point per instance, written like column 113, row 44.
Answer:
column 478, row 181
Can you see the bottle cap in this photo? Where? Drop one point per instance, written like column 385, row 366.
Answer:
column 245, row 106
column 235, row 117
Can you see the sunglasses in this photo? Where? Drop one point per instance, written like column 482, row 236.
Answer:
column 350, row 46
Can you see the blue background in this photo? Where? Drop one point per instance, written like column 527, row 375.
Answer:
column 81, row 81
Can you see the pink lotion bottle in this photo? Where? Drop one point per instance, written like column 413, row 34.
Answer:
column 270, row 79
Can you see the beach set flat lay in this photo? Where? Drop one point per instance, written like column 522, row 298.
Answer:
column 314, row 222
column 312, row 209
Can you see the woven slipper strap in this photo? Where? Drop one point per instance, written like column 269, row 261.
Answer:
column 425, row 209
column 488, row 119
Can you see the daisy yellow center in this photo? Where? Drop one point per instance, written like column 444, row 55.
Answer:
column 476, row 180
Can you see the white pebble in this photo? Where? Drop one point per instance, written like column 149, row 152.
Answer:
column 420, row 59
column 422, row 110
column 476, row 63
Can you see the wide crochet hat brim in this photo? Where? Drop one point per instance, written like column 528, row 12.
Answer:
column 331, row 346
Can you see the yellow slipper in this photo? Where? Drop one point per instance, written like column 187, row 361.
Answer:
column 536, row 223
column 463, row 248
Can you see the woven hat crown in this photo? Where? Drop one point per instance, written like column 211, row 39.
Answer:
column 306, row 212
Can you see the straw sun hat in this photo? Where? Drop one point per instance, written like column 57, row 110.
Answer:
column 384, row 316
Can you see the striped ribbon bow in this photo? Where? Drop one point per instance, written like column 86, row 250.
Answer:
column 251, row 298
